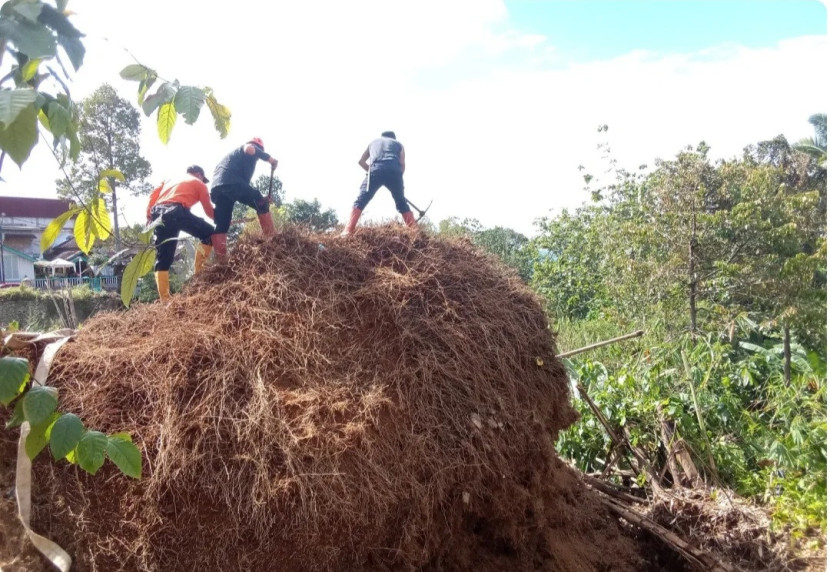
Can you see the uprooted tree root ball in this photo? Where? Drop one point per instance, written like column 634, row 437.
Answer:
column 388, row 401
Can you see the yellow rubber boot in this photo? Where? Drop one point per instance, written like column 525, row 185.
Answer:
column 163, row 285
column 202, row 254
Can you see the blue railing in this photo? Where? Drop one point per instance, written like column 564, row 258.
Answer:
column 97, row 283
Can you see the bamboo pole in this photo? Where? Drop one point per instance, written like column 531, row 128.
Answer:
column 601, row 344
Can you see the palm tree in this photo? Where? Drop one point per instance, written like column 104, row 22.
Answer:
column 816, row 146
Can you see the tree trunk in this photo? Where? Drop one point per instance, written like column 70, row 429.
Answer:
column 693, row 281
column 787, row 354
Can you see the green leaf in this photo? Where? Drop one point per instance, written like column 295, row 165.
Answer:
column 59, row 119
column 164, row 94
column 39, row 403
column 114, row 173
column 141, row 264
column 104, row 186
column 83, row 231
column 50, row 235
column 144, row 86
column 189, row 101
column 66, row 433
column 13, row 101
column 74, row 49
column 14, row 375
column 39, row 436
column 19, row 138
column 29, row 10
column 125, row 455
column 101, row 225
column 221, row 114
column 166, row 121
column 91, row 450
column 74, row 143
column 33, row 39
column 17, row 417
column 29, row 69
column 136, row 72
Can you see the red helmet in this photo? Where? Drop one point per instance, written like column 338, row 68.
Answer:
column 258, row 142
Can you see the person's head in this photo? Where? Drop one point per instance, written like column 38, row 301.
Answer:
column 258, row 142
column 197, row 172
column 390, row 134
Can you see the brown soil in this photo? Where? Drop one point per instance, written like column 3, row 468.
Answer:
column 387, row 402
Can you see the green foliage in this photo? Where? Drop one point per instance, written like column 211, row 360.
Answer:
column 14, row 375
column 171, row 99
column 724, row 264
column 311, row 215
column 64, row 433
column 745, row 426
column 513, row 248
column 32, row 32
column 141, row 264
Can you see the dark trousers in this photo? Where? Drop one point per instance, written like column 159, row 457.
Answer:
column 392, row 179
column 174, row 219
column 225, row 196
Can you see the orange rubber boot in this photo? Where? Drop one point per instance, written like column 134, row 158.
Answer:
column 355, row 216
column 266, row 223
column 409, row 219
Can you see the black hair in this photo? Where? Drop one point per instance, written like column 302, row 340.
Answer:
column 390, row 134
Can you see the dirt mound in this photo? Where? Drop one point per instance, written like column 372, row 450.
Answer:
column 389, row 401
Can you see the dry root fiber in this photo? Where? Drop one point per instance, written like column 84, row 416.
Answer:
column 384, row 402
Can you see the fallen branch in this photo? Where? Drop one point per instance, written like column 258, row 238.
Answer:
column 698, row 558
column 612, row 490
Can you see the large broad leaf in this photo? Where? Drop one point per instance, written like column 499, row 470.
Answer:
column 136, row 72
column 54, row 229
column 14, row 375
column 90, row 452
column 59, row 118
column 39, row 403
column 33, row 39
column 101, row 225
column 189, row 101
column 66, row 433
column 166, row 121
column 164, row 94
column 29, row 10
column 19, row 138
column 221, row 114
column 83, row 231
column 74, row 49
column 125, row 455
column 114, row 173
column 13, row 101
column 141, row 264
column 39, row 436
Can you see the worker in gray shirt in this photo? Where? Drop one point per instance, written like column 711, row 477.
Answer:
column 384, row 163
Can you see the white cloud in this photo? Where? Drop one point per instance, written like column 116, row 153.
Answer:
column 494, row 121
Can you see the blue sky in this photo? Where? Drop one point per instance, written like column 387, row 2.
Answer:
column 585, row 30
column 496, row 101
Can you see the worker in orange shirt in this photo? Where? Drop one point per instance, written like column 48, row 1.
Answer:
column 171, row 202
